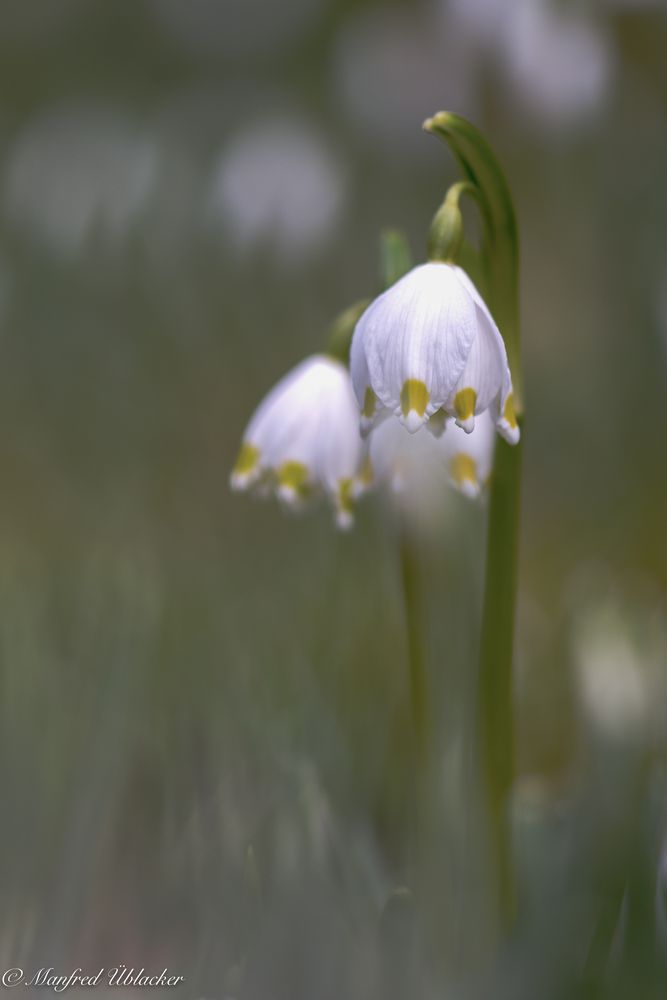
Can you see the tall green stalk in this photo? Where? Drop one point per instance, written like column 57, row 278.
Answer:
column 500, row 261
column 410, row 578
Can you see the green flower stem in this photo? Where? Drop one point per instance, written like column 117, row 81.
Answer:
column 418, row 758
column 500, row 258
column 496, row 715
column 412, row 595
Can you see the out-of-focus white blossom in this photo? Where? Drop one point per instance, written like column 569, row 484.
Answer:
column 558, row 61
column 469, row 457
column 190, row 127
column 429, row 346
column 619, row 670
column 403, row 462
column 278, row 183
column 421, row 463
column 304, row 437
column 79, row 172
column 480, row 20
column 609, row 678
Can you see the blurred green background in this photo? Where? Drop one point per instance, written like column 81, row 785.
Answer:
column 204, row 702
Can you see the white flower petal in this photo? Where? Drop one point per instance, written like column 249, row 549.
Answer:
column 304, row 436
column 487, row 373
column 506, row 420
column 273, row 419
column 415, row 339
column 369, row 404
column 469, row 457
column 483, row 376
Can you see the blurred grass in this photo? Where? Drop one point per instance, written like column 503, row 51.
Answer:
column 185, row 673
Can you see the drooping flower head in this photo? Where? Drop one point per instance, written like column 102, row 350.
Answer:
column 304, row 438
column 429, row 344
column 419, row 463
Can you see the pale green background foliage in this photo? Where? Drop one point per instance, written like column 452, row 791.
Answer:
column 189, row 192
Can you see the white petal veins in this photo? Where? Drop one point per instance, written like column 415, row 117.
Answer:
column 305, row 433
column 422, row 329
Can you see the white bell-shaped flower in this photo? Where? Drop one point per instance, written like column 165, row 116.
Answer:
column 419, row 463
column 469, row 457
column 404, row 463
column 304, row 438
column 429, row 344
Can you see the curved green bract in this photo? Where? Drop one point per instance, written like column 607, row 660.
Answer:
column 480, row 166
column 500, row 242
